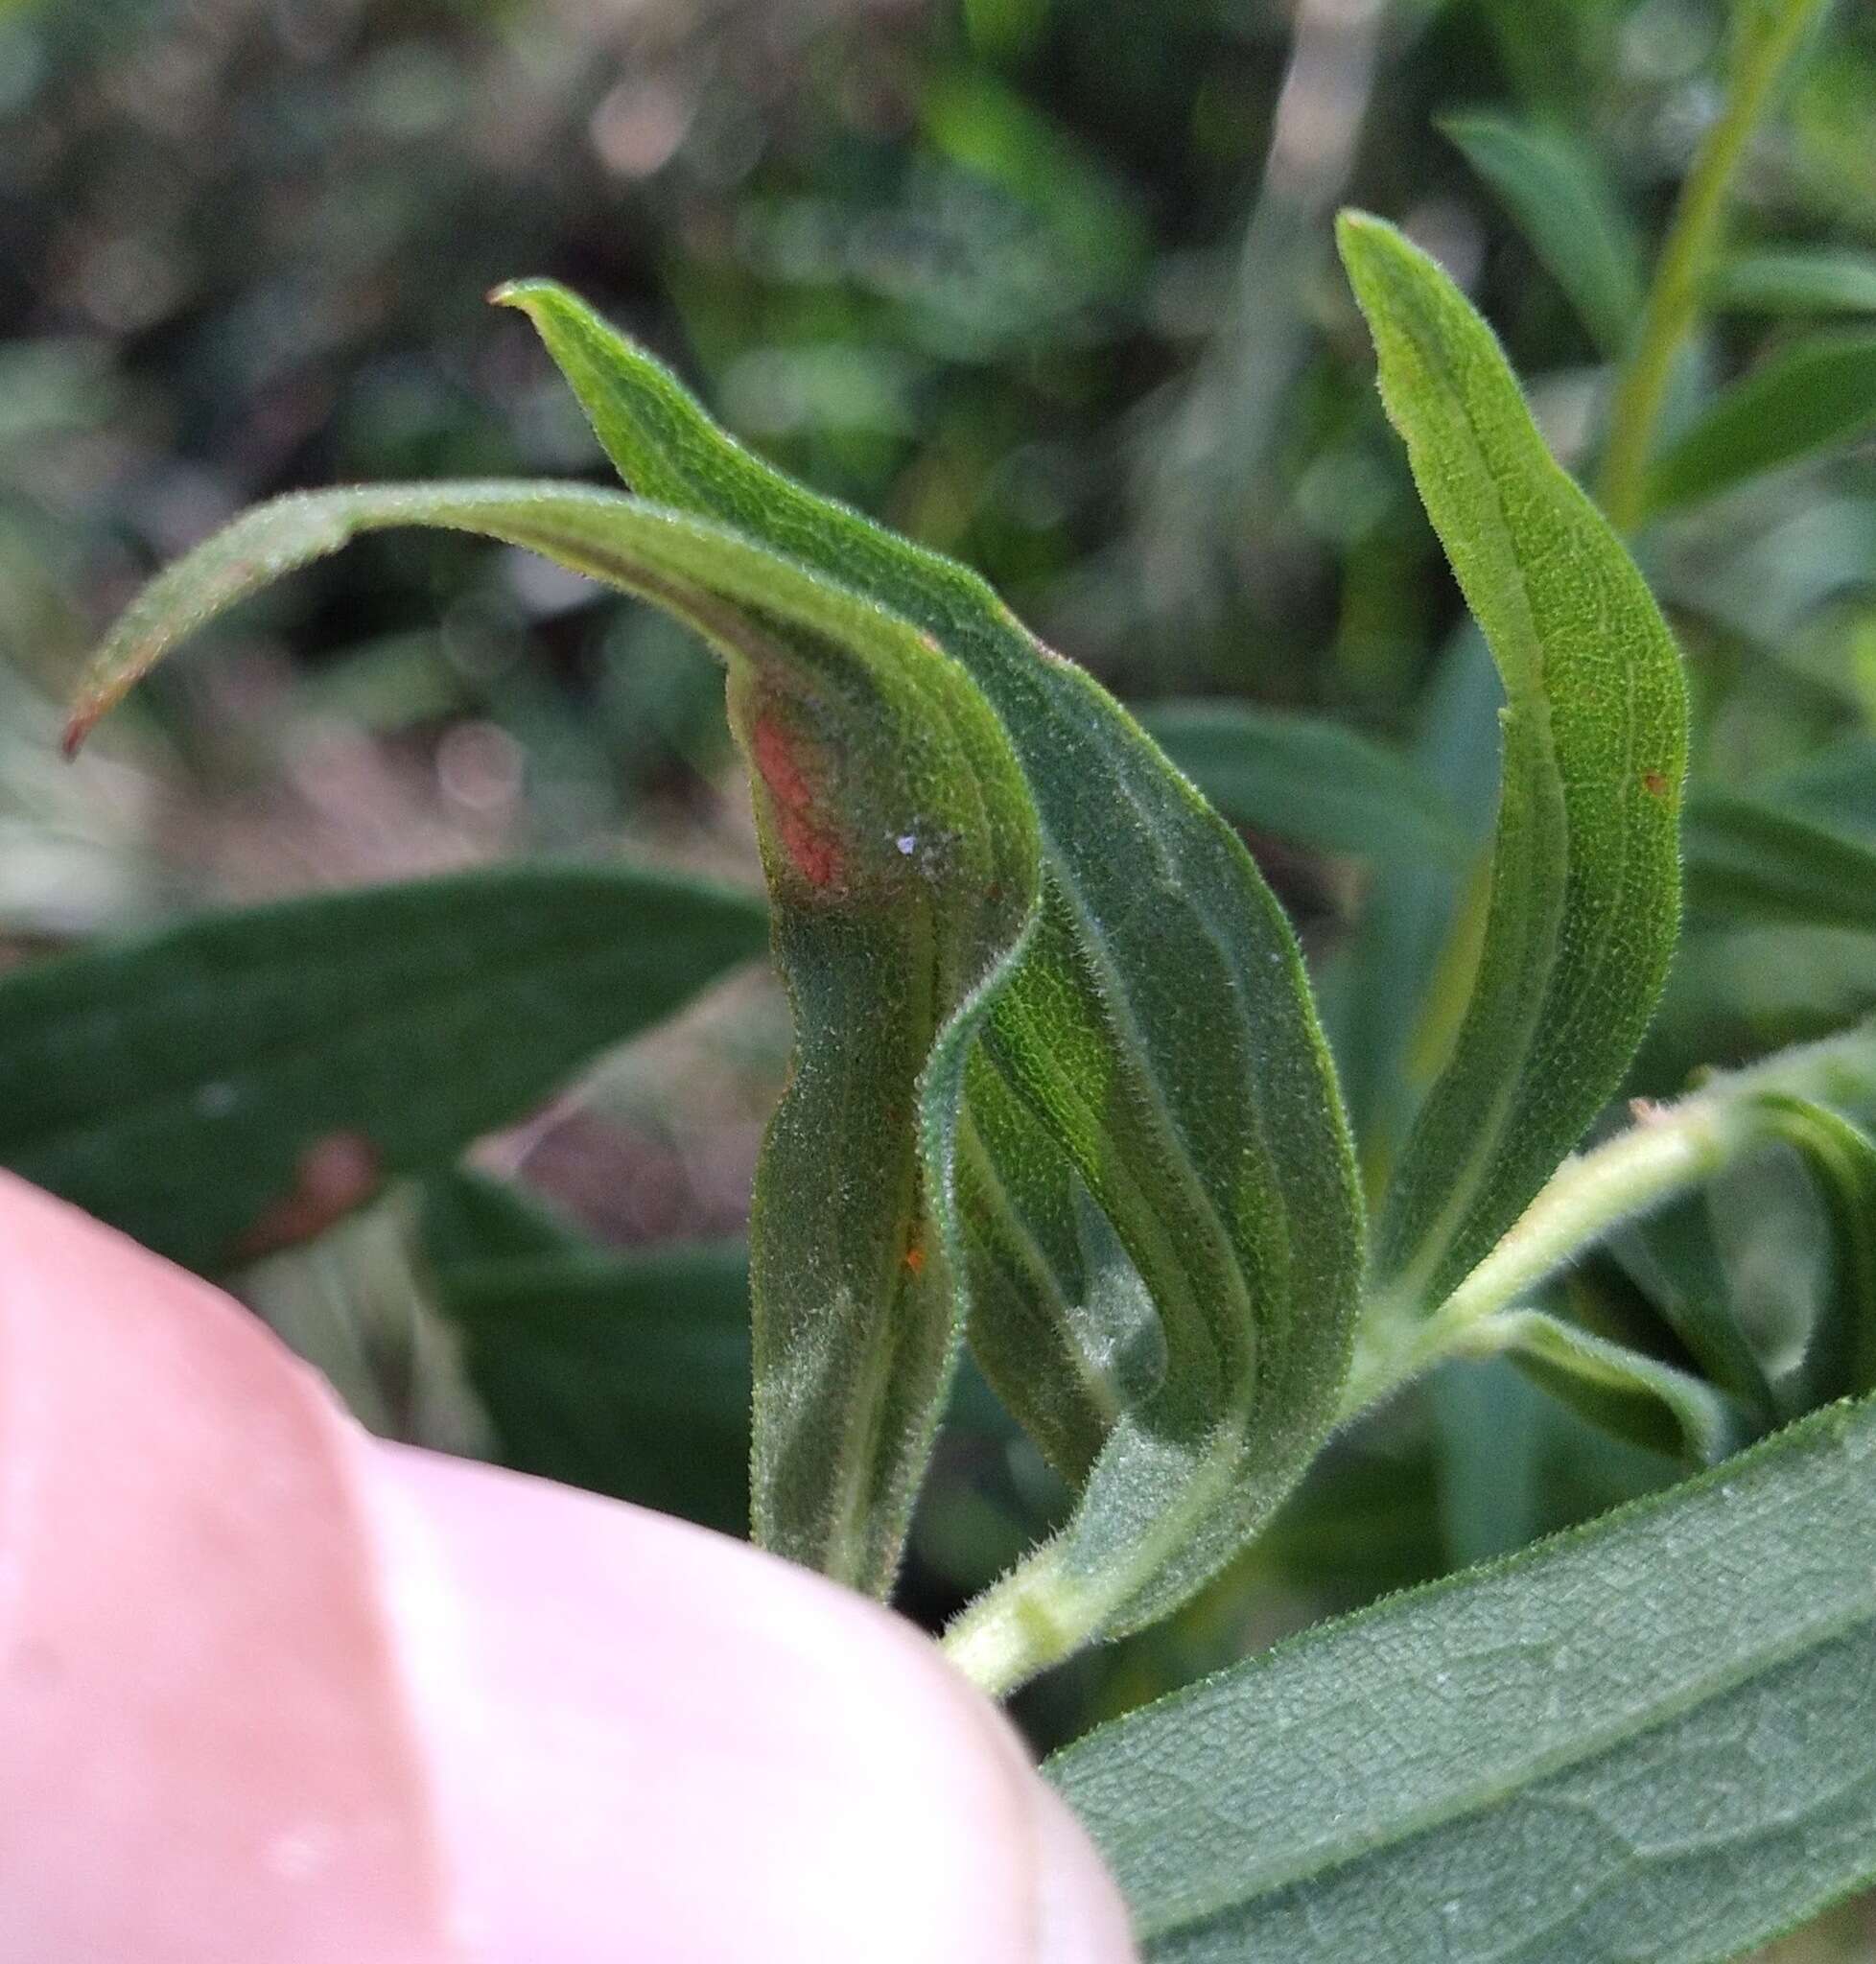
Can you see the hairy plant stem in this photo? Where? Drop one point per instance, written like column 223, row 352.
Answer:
column 1668, row 1151
column 1041, row 1614
column 1767, row 35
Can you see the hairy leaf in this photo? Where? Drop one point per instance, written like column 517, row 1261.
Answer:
column 1637, row 1397
column 1795, row 279
column 1841, row 1157
column 1749, row 858
column 1585, row 879
column 901, row 856
column 1159, row 1032
column 1808, row 399
column 240, row 1081
column 1642, row 1739
column 1306, row 778
column 1555, row 189
column 623, row 1371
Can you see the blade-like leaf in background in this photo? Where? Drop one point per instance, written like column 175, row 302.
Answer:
column 1585, row 874
column 1643, row 1740
column 902, row 856
column 1159, row 1030
column 1795, row 279
column 1556, row 191
column 623, row 1371
column 1307, row 780
column 1749, row 858
column 243, row 1079
column 1376, row 992
column 1808, row 399
column 1840, row 1360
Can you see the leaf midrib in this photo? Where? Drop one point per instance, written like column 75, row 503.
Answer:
column 1472, row 1798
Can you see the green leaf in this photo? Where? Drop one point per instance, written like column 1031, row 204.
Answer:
column 1795, row 279
column 1837, row 783
column 1637, row 1397
column 1585, row 878
column 1642, row 1739
column 1159, row 1032
column 1671, row 1257
column 239, row 1080
column 624, row 1372
column 1841, row 1157
column 901, row 857
column 1810, row 398
column 1309, row 779
column 1561, row 200
column 1748, row 858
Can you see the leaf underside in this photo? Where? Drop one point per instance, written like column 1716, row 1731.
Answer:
column 1645, row 1740
column 901, row 858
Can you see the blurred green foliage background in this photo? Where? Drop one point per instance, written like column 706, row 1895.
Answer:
column 1048, row 284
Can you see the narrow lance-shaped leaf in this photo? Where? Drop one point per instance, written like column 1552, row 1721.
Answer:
column 1751, row 858
column 1644, row 1740
column 1808, row 399
column 1585, row 878
column 240, row 1081
column 1160, row 1030
column 901, row 856
column 1562, row 202
column 1309, row 780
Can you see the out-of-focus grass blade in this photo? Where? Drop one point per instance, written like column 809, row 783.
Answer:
column 1795, row 279
column 901, row 854
column 1806, row 400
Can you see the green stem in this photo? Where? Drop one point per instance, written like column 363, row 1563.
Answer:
column 1670, row 1151
column 1767, row 36
column 1043, row 1612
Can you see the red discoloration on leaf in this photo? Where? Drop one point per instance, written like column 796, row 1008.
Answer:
column 915, row 1259
column 814, row 854
column 335, row 1174
column 1654, row 784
